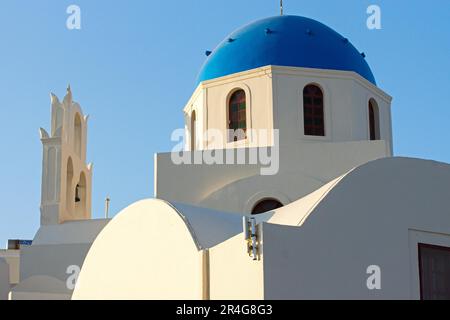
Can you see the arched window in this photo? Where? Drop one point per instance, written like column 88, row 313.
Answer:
column 237, row 123
column 193, row 131
column 313, row 113
column 374, row 120
column 77, row 134
column 77, row 194
column 266, row 205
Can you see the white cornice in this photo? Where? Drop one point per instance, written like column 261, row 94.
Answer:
column 326, row 73
column 294, row 71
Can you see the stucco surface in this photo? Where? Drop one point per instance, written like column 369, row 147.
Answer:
column 4, row 279
column 375, row 215
column 146, row 252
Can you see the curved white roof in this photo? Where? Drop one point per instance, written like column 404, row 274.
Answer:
column 393, row 175
column 208, row 227
column 158, row 244
column 295, row 213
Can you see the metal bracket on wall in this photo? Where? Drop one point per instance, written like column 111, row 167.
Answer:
column 251, row 237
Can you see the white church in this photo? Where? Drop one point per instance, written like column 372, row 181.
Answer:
column 339, row 217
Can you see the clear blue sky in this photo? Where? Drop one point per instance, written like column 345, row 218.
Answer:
column 133, row 66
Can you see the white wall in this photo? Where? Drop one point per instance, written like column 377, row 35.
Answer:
column 146, row 252
column 236, row 188
column 54, row 249
column 4, row 279
column 275, row 100
column 52, row 260
column 274, row 97
column 40, row 288
column 210, row 100
column 12, row 257
column 196, row 103
column 375, row 215
column 233, row 273
column 346, row 99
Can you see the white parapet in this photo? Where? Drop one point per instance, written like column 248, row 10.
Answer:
column 4, row 279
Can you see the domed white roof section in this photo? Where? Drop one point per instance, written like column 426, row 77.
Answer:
column 152, row 250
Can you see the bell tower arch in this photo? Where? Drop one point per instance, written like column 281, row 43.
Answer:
column 66, row 178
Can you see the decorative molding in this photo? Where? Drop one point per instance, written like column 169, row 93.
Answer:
column 54, row 99
column 68, row 97
column 43, row 134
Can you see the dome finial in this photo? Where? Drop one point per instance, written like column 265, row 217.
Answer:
column 281, row 7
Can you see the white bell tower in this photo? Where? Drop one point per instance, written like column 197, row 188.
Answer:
column 66, row 178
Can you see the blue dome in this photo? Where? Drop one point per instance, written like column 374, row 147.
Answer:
column 290, row 41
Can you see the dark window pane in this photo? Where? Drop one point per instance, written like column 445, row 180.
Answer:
column 318, row 102
column 318, row 122
column 313, row 111
column 373, row 125
column 434, row 265
column 318, row 112
column 237, row 113
column 266, row 205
